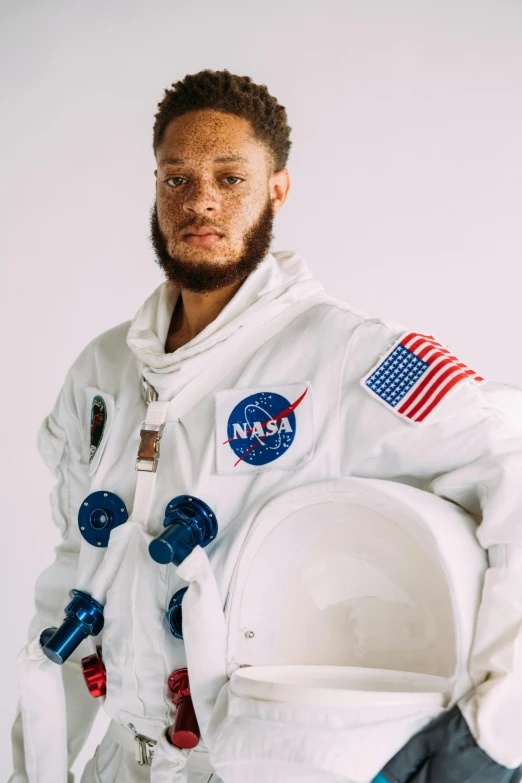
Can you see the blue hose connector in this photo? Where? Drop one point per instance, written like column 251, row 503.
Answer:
column 174, row 615
column 188, row 522
column 99, row 514
column 46, row 634
column 83, row 618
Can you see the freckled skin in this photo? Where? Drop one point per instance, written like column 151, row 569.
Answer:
column 238, row 199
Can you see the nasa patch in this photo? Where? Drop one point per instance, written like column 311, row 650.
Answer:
column 264, row 428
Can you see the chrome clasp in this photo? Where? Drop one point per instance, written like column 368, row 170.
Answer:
column 149, row 392
column 144, row 751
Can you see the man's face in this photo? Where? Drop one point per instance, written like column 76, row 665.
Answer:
column 196, row 188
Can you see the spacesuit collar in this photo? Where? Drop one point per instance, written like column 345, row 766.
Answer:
column 282, row 276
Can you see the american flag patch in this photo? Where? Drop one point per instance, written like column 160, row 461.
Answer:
column 415, row 375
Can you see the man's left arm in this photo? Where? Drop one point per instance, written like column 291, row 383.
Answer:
column 490, row 488
column 468, row 451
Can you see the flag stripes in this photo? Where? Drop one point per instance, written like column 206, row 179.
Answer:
column 416, row 374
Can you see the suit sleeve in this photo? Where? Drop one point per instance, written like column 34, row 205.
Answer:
column 468, row 451
column 59, row 443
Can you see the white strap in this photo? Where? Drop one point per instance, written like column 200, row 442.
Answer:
column 146, row 479
column 143, row 496
column 203, row 619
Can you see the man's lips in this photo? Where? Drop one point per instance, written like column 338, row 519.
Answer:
column 201, row 231
column 201, row 239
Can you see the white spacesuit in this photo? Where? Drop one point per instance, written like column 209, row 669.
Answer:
column 286, row 388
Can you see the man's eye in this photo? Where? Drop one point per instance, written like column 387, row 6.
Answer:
column 171, row 179
column 232, row 177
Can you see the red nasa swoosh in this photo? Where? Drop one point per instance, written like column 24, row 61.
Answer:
column 286, row 412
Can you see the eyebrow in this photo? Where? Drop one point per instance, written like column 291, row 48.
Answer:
column 221, row 159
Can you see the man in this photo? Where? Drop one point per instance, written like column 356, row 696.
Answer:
column 331, row 392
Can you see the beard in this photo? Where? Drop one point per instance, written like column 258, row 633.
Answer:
column 204, row 276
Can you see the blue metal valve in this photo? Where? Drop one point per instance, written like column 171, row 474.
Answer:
column 83, row 618
column 174, row 615
column 188, row 522
column 46, row 634
column 100, row 513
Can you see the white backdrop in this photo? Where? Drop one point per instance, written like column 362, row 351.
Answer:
column 406, row 173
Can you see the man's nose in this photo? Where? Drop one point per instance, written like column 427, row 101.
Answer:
column 201, row 197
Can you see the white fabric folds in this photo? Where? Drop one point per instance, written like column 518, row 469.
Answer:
column 262, row 740
column 42, row 702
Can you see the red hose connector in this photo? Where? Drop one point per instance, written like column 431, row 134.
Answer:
column 94, row 674
column 185, row 731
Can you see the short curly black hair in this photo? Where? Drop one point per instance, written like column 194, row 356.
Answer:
column 227, row 92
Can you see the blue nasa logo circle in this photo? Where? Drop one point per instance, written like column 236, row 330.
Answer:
column 261, row 428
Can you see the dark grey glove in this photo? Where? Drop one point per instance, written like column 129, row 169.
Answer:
column 445, row 751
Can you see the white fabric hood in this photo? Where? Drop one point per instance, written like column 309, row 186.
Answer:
column 282, row 277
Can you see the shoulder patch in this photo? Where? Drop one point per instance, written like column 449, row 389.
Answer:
column 415, row 375
column 98, row 420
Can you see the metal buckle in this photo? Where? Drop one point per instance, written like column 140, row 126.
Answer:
column 149, row 448
column 144, row 751
column 149, row 392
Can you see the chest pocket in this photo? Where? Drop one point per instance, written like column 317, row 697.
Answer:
column 99, row 407
column 264, row 428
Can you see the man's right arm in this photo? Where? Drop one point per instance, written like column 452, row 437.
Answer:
column 61, row 445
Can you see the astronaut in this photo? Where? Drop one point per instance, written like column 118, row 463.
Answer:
column 239, row 379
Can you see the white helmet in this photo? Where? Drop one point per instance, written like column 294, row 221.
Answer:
column 350, row 619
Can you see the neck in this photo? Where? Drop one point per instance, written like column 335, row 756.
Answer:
column 194, row 311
